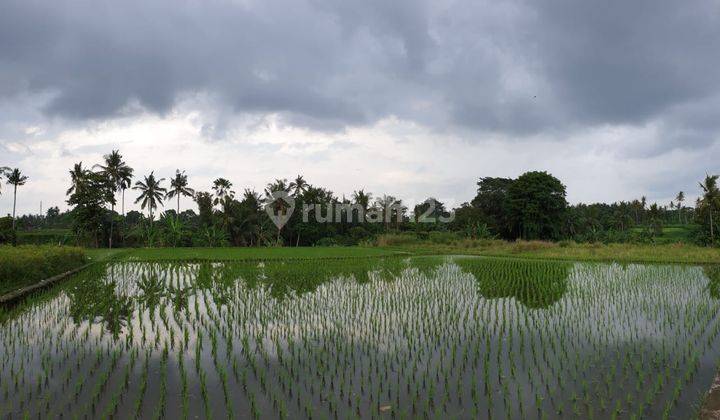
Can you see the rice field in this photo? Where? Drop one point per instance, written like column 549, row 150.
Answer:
column 422, row 337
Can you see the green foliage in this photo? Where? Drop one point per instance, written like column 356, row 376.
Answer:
column 492, row 200
column 89, row 194
column 46, row 237
column 7, row 233
column 24, row 265
column 536, row 206
column 254, row 253
column 536, row 284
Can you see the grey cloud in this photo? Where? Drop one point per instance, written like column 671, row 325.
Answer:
column 519, row 67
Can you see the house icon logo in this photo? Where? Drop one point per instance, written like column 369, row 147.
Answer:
column 280, row 207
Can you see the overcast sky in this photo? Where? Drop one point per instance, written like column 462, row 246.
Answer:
column 411, row 98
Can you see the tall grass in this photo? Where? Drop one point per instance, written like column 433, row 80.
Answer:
column 563, row 250
column 24, row 265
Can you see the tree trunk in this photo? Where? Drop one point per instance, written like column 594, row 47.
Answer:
column 712, row 233
column 123, row 214
column 112, row 221
column 14, row 202
column 177, row 216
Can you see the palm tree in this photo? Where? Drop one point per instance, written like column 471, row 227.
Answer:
column 276, row 186
column 299, row 185
column 178, row 187
column 387, row 205
column 15, row 178
column 119, row 174
column 125, row 183
column 680, row 198
column 711, row 199
column 362, row 199
column 643, row 204
column 152, row 193
column 222, row 186
column 279, row 185
column 77, row 174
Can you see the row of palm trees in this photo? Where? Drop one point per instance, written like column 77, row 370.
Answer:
column 15, row 178
column 152, row 193
column 120, row 175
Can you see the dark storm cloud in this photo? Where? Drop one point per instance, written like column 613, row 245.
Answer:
column 624, row 61
column 516, row 67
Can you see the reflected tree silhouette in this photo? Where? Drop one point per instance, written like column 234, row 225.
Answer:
column 535, row 284
column 94, row 298
column 712, row 272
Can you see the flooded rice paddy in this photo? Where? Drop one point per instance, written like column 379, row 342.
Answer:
column 364, row 338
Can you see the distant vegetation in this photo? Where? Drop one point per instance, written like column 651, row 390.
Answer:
column 531, row 207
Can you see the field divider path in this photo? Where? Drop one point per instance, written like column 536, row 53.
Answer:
column 711, row 406
column 19, row 293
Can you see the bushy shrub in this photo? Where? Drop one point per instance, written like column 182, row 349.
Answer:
column 327, row 242
column 24, row 265
column 444, row 238
column 7, row 234
column 46, row 237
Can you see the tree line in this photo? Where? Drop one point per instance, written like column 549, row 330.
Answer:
column 532, row 206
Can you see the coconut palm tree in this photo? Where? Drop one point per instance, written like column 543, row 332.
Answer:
column 222, row 188
column 119, row 174
column 151, row 193
column 77, row 174
column 15, row 178
column 280, row 206
column 299, row 185
column 388, row 205
column 680, row 198
column 711, row 199
column 178, row 187
column 276, row 186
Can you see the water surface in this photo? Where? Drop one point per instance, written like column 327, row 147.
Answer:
column 409, row 338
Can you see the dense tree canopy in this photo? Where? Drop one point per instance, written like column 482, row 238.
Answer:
column 536, row 206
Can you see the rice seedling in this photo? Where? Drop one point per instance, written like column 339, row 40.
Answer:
column 425, row 336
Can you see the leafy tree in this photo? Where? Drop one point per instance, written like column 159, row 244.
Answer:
column 471, row 221
column 91, row 192
column 537, row 205
column 178, row 187
column 174, row 229
column 492, row 200
column 151, row 193
column 430, row 210
column 15, row 178
column 7, row 233
column 204, row 201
